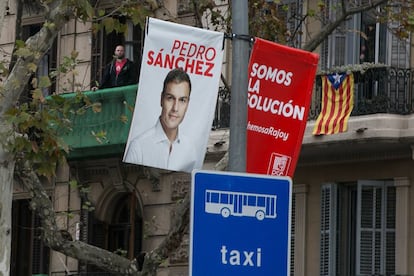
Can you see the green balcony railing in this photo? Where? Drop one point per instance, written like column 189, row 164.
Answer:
column 111, row 120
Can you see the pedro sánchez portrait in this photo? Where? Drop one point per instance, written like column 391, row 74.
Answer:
column 176, row 97
column 164, row 145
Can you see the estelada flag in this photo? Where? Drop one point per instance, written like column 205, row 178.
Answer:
column 337, row 104
column 281, row 80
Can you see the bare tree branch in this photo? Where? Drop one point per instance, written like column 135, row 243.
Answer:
column 52, row 235
column 313, row 43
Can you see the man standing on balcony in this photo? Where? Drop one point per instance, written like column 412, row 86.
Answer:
column 164, row 146
column 120, row 71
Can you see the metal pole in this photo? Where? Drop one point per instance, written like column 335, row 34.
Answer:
column 238, row 104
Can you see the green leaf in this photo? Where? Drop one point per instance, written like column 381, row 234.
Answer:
column 20, row 43
column 108, row 23
column 100, row 136
column 49, row 25
column 23, row 52
column 32, row 67
column 73, row 183
column 44, row 82
column 38, row 95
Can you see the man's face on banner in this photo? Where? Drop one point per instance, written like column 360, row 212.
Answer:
column 174, row 103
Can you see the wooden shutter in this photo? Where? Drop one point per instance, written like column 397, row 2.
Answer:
column 292, row 235
column 328, row 241
column 375, row 228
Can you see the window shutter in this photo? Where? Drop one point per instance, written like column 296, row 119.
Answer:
column 292, row 235
column 366, row 232
column 375, row 228
column 399, row 52
column 328, row 229
column 339, row 49
column 333, row 50
column 391, row 208
column 399, row 55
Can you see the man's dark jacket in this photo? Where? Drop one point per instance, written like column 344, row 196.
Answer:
column 127, row 76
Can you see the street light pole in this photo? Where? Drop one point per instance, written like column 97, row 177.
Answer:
column 238, row 104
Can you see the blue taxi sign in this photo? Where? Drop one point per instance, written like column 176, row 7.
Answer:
column 240, row 224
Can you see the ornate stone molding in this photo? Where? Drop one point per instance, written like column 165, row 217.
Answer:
column 180, row 186
column 107, row 171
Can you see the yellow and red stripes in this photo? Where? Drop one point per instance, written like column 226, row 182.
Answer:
column 337, row 104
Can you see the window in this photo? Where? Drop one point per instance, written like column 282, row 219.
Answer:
column 251, row 201
column 26, row 242
column 359, row 39
column 46, row 65
column 261, row 201
column 116, row 235
column 334, row 49
column 373, row 39
column 358, row 228
column 224, row 198
column 103, row 46
column 290, row 11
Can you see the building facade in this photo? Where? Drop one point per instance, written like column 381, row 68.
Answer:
column 352, row 194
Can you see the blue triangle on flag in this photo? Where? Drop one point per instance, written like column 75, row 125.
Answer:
column 336, row 79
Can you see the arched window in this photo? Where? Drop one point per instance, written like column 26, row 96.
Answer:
column 121, row 232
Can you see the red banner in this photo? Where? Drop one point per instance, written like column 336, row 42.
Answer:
column 280, row 88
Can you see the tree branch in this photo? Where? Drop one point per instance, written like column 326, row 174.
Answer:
column 313, row 43
column 173, row 240
column 53, row 238
column 58, row 13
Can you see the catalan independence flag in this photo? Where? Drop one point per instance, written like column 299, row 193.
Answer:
column 337, row 103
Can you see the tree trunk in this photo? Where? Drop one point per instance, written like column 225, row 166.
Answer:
column 10, row 92
column 6, row 197
column 3, row 5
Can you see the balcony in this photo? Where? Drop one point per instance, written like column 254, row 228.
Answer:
column 377, row 90
column 381, row 119
column 83, row 143
column 381, row 125
column 114, row 103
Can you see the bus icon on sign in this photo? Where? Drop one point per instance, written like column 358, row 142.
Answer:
column 240, row 204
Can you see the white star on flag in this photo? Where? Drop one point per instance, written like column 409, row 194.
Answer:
column 337, row 78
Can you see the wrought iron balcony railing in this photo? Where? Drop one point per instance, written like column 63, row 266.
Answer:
column 377, row 90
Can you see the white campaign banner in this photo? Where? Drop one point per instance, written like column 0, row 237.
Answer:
column 172, row 120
